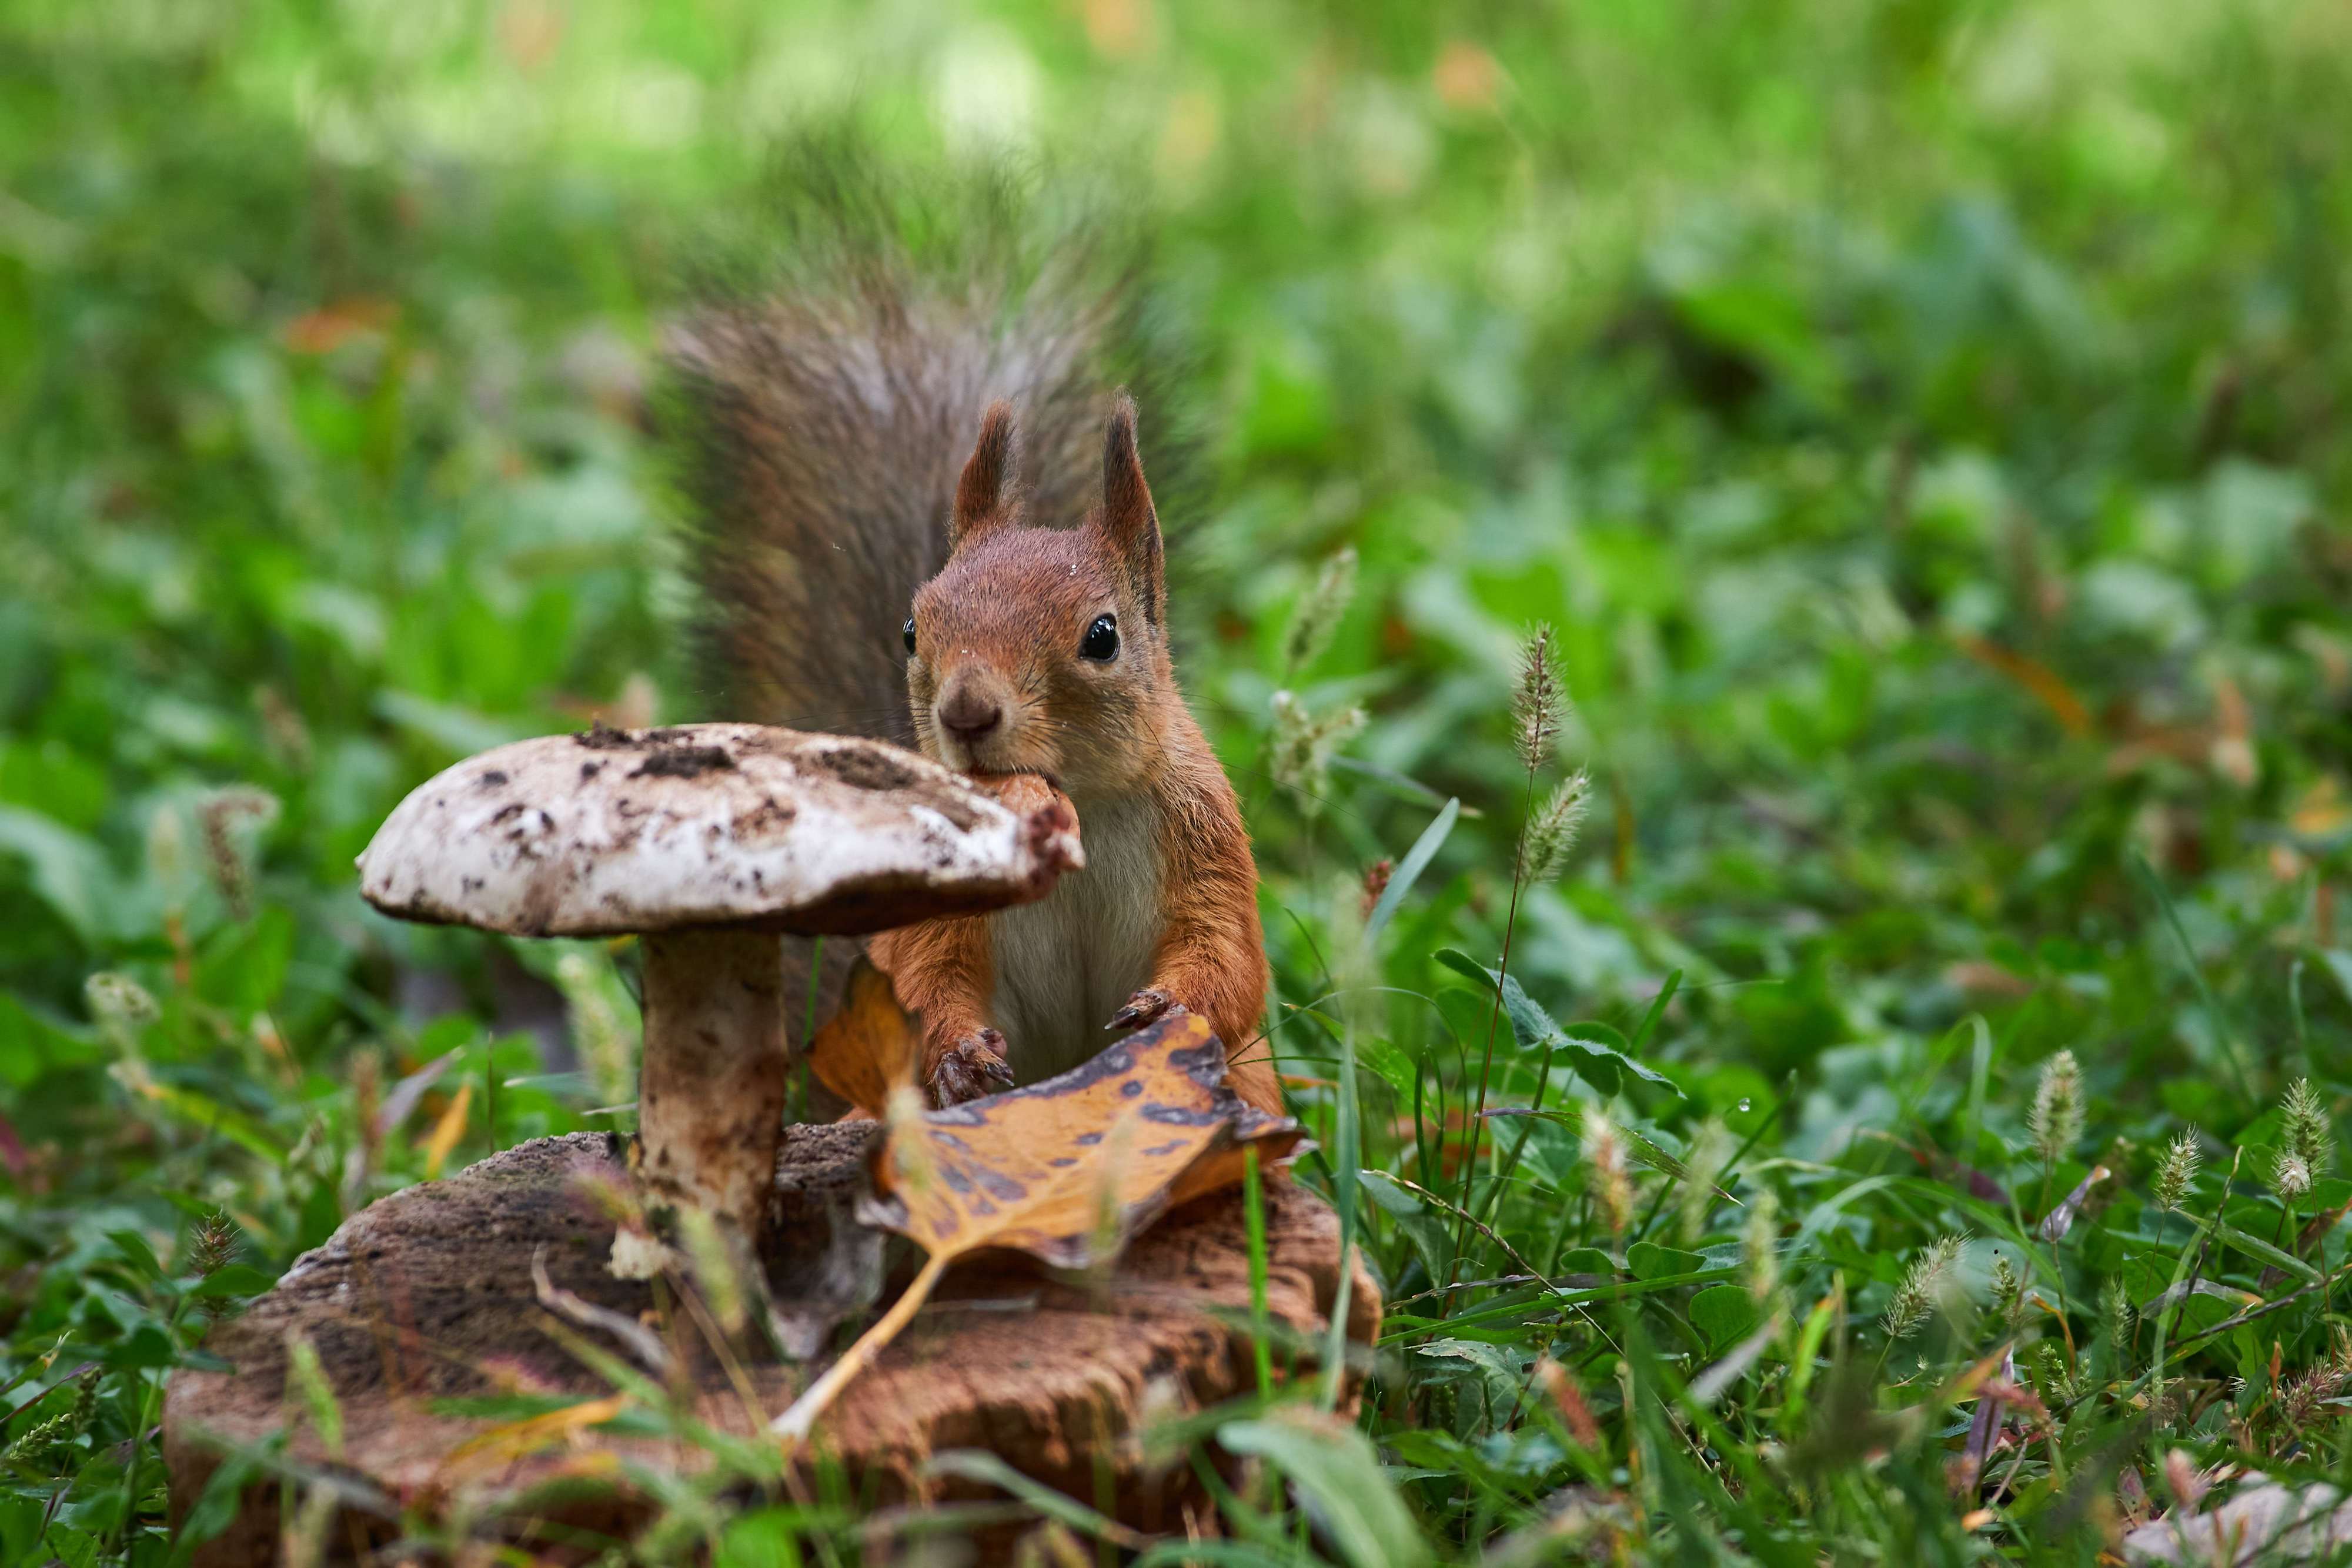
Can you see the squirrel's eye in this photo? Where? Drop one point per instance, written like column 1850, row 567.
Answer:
column 1102, row 640
column 911, row 633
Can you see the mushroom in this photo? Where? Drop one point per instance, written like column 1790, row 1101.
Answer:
column 706, row 841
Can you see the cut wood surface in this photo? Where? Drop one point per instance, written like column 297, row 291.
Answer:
column 427, row 1296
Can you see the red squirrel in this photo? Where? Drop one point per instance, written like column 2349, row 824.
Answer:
column 1045, row 650
column 1027, row 598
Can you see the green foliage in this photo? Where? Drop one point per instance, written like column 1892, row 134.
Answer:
column 1919, row 422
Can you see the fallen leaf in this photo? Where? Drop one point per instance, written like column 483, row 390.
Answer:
column 1025, row 1168
column 2330, row 653
column 2034, row 676
column 447, row 1131
column 1065, row 1170
column 1980, row 975
column 1466, row 76
column 503, row 1444
column 2321, row 812
column 402, row 1102
column 869, row 1047
column 327, row 329
column 2233, row 747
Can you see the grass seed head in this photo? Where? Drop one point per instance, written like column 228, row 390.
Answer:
column 2052, row 1378
column 2008, row 1293
column 35, row 1441
column 1552, row 830
column 1926, row 1286
column 2116, row 1312
column 306, row 1378
column 2291, row 1174
column 1299, row 758
column 211, row 1242
column 606, row 1047
column 365, row 1156
column 167, row 847
column 1759, row 1246
column 2304, row 1128
column 718, row 1274
column 121, row 1006
column 911, row 1150
column 2303, row 1399
column 2056, row 1118
column 1612, row 1190
column 1541, row 705
column 1561, row 1390
column 1709, row 1153
column 1319, row 610
column 2177, row 1173
column 220, row 815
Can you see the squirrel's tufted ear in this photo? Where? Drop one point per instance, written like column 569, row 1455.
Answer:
column 985, row 496
column 1128, row 520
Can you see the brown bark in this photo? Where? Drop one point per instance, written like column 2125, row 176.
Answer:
column 427, row 1296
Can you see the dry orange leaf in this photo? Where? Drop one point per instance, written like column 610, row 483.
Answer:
column 2322, row 812
column 504, row 1444
column 327, row 329
column 445, row 1132
column 2034, row 676
column 1143, row 1126
column 1065, row 1170
column 868, row 1048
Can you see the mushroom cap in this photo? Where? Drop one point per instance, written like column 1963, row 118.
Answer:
column 614, row 832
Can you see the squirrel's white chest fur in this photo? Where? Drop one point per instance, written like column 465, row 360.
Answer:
column 1065, row 964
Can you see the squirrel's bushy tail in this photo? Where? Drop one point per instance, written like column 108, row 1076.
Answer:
column 830, row 391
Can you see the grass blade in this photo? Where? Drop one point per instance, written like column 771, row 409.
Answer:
column 1408, row 871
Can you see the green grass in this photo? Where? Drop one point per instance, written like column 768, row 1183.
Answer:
column 1920, row 423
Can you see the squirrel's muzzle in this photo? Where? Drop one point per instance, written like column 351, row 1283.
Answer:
column 969, row 714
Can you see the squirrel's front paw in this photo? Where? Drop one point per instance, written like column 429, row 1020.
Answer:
column 1145, row 1007
column 972, row 1068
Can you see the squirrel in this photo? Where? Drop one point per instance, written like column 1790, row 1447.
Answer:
column 922, row 515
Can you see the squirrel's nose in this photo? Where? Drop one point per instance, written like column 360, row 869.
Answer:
column 969, row 716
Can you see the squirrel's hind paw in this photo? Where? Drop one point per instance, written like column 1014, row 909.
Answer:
column 972, row 1069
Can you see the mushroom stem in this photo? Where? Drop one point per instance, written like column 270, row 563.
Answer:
column 710, row 1097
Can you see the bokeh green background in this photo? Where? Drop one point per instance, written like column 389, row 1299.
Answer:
column 1921, row 421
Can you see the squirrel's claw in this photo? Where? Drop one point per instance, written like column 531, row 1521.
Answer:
column 1144, row 1006
column 972, row 1069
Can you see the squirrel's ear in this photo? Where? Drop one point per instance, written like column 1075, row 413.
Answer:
column 1127, row 518
column 984, row 495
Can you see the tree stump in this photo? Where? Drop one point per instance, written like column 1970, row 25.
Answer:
column 427, row 1298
